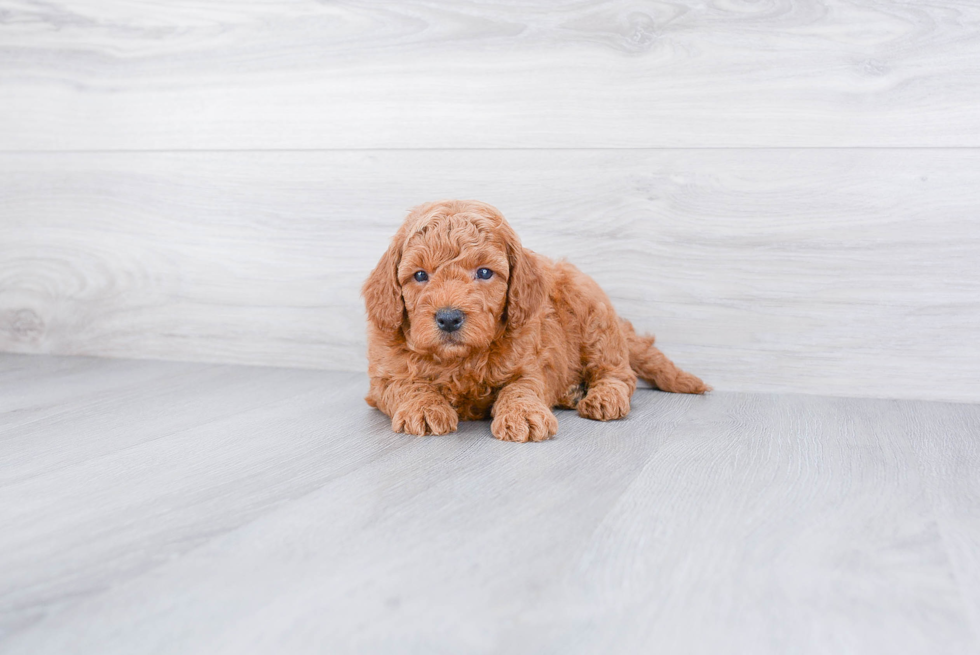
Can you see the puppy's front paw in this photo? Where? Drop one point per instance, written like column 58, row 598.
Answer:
column 425, row 416
column 524, row 422
column 606, row 401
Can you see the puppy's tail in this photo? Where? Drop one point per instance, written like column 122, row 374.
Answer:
column 653, row 366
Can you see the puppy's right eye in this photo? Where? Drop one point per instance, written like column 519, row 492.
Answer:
column 421, row 276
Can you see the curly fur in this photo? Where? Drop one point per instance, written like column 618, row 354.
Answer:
column 537, row 334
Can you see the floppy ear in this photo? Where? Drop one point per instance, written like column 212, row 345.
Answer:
column 525, row 288
column 382, row 293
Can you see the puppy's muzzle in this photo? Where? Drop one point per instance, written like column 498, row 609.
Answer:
column 450, row 319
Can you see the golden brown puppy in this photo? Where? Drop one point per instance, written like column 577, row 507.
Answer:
column 465, row 323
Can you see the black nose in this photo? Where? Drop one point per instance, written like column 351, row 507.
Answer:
column 449, row 319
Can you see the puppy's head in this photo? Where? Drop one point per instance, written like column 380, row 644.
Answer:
column 454, row 279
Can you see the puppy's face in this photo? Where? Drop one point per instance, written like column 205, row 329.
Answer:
column 454, row 278
column 453, row 275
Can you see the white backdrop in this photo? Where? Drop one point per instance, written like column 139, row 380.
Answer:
column 785, row 192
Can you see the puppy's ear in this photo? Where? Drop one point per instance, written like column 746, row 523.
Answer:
column 382, row 293
column 525, row 287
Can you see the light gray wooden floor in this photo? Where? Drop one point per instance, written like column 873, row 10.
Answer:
column 195, row 508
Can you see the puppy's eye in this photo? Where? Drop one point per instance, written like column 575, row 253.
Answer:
column 484, row 273
column 421, row 276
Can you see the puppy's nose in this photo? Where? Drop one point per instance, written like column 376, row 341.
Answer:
column 450, row 319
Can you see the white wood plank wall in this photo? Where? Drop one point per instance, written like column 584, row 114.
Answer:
column 124, row 74
column 786, row 192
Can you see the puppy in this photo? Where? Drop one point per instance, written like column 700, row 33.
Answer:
column 464, row 323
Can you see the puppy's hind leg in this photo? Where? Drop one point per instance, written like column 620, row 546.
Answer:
column 608, row 399
column 654, row 367
column 607, row 373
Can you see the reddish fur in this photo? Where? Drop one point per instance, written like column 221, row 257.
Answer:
column 538, row 334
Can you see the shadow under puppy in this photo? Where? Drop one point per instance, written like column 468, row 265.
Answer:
column 465, row 323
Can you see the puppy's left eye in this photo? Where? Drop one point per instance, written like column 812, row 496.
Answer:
column 484, row 273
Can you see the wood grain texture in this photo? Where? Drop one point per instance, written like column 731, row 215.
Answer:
column 948, row 444
column 730, row 523
column 104, row 74
column 848, row 272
